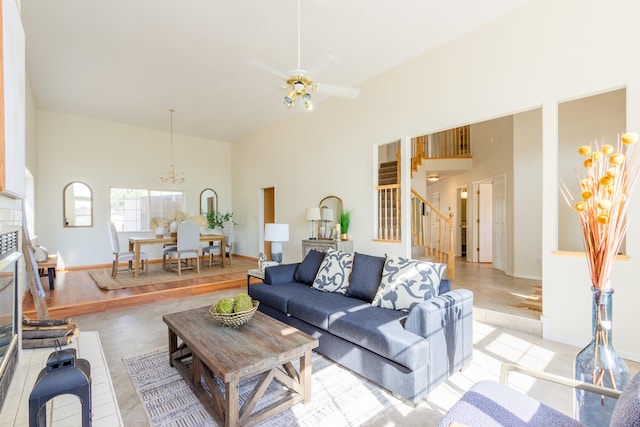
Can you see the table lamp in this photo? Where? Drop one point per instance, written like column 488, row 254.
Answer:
column 276, row 234
column 312, row 214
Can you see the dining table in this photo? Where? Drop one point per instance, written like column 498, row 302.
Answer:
column 135, row 243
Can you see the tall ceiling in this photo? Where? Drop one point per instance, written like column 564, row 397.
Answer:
column 129, row 61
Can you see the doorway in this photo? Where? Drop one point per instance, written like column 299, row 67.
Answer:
column 485, row 222
column 489, row 222
column 462, row 222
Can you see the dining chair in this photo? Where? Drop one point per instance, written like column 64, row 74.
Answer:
column 214, row 249
column 128, row 256
column 188, row 247
column 167, row 247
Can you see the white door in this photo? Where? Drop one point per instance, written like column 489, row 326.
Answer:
column 485, row 223
column 499, row 215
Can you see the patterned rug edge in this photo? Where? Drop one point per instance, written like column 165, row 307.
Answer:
column 102, row 277
column 168, row 400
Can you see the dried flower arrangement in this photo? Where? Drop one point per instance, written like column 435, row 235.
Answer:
column 177, row 216
column 607, row 184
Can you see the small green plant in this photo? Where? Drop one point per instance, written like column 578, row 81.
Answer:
column 218, row 220
column 345, row 220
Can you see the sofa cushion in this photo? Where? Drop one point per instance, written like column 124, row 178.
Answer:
column 334, row 272
column 308, row 268
column 278, row 297
column 280, row 274
column 382, row 332
column 318, row 306
column 365, row 276
column 407, row 282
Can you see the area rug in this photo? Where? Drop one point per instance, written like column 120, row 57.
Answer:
column 156, row 274
column 339, row 397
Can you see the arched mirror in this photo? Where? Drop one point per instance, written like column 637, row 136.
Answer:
column 208, row 201
column 77, row 205
column 330, row 210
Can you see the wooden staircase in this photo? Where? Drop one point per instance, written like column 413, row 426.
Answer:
column 388, row 173
column 432, row 235
column 389, row 223
column 433, row 232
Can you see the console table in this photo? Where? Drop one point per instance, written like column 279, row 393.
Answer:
column 323, row 245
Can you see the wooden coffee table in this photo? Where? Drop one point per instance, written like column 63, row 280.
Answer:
column 210, row 351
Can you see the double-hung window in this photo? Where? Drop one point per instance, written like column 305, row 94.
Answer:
column 133, row 209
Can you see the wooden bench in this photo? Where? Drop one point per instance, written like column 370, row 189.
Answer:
column 50, row 265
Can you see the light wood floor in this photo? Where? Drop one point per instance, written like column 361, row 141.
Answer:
column 76, row 293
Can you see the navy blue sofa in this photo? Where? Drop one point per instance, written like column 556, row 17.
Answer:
column 409, row 354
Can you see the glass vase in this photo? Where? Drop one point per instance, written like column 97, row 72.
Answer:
column 598, row 363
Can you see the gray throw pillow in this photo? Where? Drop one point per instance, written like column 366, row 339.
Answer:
column 365, row 276
column 334, row 272
column 407, row 282
column 308, row 268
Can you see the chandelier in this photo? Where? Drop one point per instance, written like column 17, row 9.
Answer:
column 172, row 175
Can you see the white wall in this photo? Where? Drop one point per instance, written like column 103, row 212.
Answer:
column 526, row 229
column 541, row 55
column 104, row 155
column 583, row 121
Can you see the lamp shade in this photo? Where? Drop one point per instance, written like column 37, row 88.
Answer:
column 327, row 214
column 312, row 214
column 276, row 232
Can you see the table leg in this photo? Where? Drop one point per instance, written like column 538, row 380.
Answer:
column 196, row 370
column 305, row 375
column 232, row 403
column 136, row 261
column 50, row 273
column 223, row 249
column 173, row 345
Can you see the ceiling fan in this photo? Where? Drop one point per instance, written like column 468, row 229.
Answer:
column 299, row 84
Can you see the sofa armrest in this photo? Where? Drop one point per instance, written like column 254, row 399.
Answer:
column 280, row 274
column 439, row 312
column 446, row 321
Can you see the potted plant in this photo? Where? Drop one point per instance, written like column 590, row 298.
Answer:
column 345, row 221
column 222, row 221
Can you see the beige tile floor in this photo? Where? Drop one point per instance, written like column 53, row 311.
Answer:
column 141, row 328
column 136, row 329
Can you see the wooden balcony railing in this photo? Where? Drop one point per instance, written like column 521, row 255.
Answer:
column 434, row 232
column 452, row 143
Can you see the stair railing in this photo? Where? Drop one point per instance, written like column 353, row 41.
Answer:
column 389, row 219
column 448, row 144
column 432, row 230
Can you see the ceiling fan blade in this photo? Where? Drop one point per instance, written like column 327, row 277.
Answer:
column 341, row 91
column 265, row 67
column 326, row 61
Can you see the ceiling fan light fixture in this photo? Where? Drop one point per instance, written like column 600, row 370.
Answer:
column 290, row 98
column 308, row 105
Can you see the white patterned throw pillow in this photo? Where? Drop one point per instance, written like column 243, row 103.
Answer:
column 406, row 282
column 333, row 274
